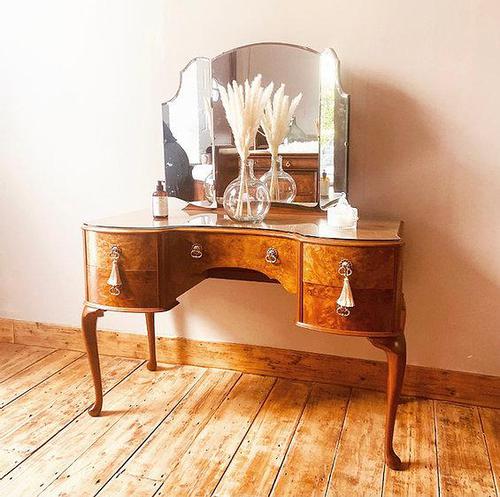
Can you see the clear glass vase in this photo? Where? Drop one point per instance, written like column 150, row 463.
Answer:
column 209, row 188
column 281, row 186
column 246, row 198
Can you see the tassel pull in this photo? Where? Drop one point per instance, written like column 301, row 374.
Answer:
column 345, row 300
column 114, row 280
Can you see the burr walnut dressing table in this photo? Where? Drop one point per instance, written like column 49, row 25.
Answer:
column 136, row 264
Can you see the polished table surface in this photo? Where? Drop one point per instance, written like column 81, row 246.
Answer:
column 304, row 222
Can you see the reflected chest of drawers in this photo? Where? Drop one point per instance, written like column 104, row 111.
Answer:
column 136, row 264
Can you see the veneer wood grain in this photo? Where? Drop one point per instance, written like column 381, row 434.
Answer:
column 372, row 268
column 370, row 313
column 139, row 289
column 234, row 251
column 138, row 251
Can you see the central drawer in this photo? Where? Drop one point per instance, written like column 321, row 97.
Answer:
column 276, row 257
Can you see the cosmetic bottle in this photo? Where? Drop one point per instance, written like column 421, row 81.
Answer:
column 324, row 185
column 160, row 202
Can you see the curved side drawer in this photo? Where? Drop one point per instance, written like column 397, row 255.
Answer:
column 139, row 289
column 138, row 251
column 372, row 267
column 373, row 311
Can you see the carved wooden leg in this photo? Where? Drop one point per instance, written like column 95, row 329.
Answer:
column 89, row 324
column 395, row 349
column 150, row 323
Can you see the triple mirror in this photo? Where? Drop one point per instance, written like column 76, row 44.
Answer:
column 199, row 152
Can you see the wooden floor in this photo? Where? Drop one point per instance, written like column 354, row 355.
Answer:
column 190, row 431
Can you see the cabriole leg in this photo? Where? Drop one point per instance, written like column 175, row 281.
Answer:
column 395, row 349
column 150, row 323
column 89, row 325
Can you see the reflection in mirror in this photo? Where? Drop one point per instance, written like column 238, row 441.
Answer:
column 296, row 67
column 334, row 128
column 187, row 134
column 199, row 152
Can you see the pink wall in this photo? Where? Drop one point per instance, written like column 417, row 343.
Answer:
column 425, row 145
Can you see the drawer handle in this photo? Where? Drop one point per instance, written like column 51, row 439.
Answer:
column 345, row 300
column 196, row 251
column 288, row 163
column 272, row 256
column 114, row 280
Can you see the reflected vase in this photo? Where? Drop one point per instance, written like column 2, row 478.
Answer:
column 281, row 186
column 209, row 188
column 246, row 198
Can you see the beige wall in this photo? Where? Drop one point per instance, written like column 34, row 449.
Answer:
column 80, row 136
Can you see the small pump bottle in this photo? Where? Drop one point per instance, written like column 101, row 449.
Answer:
column 160, row 202
column 324, row 185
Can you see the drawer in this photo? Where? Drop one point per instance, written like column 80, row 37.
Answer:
column 289, row 163
column 373, row 267
column 139, row 289
column 300, row 163
column 138, row 251
column 373, row 310
column 237, row 251
column 306, row 182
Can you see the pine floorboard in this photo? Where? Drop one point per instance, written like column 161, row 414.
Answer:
column 191, row 431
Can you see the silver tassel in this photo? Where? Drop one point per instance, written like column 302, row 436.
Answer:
column 114, row 279
column 345, row 299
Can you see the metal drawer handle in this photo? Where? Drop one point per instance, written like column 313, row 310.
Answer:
column 196, row 251
column 114, row 280
column 272, row 256
column 288, row 163
column 345, row 300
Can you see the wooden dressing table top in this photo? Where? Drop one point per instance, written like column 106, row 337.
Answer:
column 302, row 222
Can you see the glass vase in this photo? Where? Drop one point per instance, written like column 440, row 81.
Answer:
column 246, row 198
column 281, row 186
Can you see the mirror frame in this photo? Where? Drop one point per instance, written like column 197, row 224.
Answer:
column 340, row 182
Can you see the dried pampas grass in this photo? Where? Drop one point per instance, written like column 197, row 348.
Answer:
column 244, row 106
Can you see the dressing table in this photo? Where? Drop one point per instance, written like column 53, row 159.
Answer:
column 157, row 261
column 346, row 282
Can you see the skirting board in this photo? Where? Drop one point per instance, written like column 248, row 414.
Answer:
column 455, row 386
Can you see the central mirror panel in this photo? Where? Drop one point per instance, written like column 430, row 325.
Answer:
column 199, row 152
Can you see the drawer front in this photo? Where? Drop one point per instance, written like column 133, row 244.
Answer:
column 290, row 163
column 372, row 267
column 139, row 289
column 237, row 251
column 373, row 310
column 306, row 182
column 306, row 186
column 138, row 251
